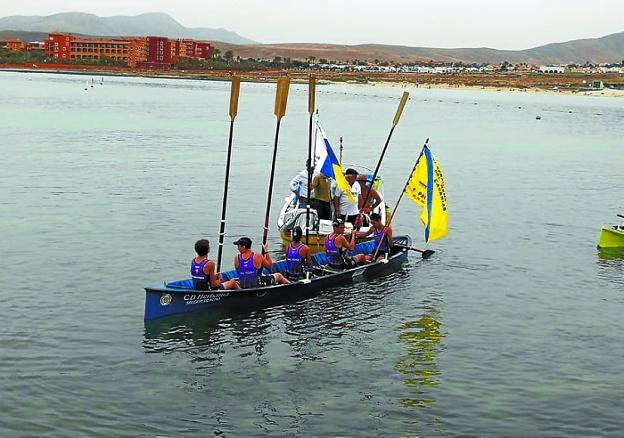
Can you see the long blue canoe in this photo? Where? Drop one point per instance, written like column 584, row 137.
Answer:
column 177, row 297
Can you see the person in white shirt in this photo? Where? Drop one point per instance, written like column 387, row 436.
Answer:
column 299, row 186
column 345, row 210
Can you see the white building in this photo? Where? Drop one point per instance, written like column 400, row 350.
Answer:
column 551, row 69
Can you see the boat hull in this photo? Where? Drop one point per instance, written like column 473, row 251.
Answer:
column 611, row 238
column 166, row 300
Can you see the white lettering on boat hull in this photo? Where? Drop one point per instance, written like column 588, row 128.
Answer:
column 192, row 299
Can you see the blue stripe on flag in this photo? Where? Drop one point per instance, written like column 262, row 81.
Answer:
column 429, row 190
column 330, row 160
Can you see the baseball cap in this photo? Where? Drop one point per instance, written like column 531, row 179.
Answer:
column 351, row 171
column 244, row 241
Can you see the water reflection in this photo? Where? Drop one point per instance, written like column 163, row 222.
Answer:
column 611, row 253
column 422, row 339
column 611, row 265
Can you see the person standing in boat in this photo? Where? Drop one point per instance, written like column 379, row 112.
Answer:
column 298, row 256
column 249, row 266
column 203, row 270
column 345, row 210
column 382, row 235
column 321, row 196
column 299, row 186
column 337, row 247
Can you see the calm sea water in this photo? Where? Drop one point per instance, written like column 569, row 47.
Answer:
column 513, row 328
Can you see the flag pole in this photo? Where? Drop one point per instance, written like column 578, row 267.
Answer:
column 234, row 92
column 341, row 152
column 311, row 96
column 426, row 253
column 395, row 121
column 281, row 97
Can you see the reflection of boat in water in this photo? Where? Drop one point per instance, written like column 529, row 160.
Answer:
column 293, row 214
column 179, row 296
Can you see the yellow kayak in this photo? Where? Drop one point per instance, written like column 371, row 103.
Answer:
column 611, row 237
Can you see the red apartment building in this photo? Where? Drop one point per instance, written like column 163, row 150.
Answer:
column 15, row 45
column 152, row 52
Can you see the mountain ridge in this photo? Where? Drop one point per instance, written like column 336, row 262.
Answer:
column 150, row 23
column 606, row 49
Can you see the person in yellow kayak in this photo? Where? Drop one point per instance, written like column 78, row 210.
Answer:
column 321, row 196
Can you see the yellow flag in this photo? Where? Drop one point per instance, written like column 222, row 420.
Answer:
column 426, row 188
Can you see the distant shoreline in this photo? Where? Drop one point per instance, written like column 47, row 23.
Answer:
column 530, row 83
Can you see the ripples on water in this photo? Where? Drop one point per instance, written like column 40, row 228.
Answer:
column 513, row 328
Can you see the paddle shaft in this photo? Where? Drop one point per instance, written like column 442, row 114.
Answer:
column 311, row 91
column 620, row 215
column 397, row 116
column 281, row 97
column 425, row 253
column 309, row 168
column 396, row 206
column 265, row 234
column 234, row 93
column 225, row 193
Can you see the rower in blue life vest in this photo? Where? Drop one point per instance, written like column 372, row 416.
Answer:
column 337, row 247
column 382, row 235
column 298, row 256
column 249, row 266
column 203, row 270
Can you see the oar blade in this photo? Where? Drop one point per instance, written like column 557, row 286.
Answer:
column 399, row 111
column 427, row 253
column 234, row 92
column 281, row 96
column 311, row 95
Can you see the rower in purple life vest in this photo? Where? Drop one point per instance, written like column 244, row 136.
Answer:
column 203, row 270
column 298, row 256
column 337, row 247
column 383, row 240
column 249, row 266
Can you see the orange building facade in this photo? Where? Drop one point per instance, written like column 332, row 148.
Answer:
column 157, row 52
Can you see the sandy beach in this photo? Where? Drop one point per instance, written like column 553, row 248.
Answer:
column 494, row 82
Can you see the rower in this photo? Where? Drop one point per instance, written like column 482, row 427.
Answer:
column 298, row 256
column 374, row 199
column 337, row 247
column 249, row 266
column 203, row 270
column 382, row 235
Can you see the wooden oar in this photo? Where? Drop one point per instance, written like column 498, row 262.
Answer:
column 311, row 96
column 281, row 97
column 426, row 253
column 234, row 92
column 395, row 121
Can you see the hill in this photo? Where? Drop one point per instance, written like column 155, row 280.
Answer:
column 608, row 49
column 157, row 23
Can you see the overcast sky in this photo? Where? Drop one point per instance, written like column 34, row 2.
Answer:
column 444, row 23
